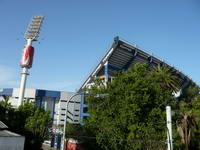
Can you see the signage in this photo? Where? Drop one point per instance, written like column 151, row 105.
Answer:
column 27, row 57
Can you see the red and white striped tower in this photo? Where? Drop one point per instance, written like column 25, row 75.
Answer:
column 26, row 62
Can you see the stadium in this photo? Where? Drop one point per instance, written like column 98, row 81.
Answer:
column 121, row 56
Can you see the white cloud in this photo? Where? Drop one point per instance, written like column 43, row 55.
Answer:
column 8, row 77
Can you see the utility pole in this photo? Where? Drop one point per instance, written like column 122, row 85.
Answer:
column 169, row 128
column 31, row 35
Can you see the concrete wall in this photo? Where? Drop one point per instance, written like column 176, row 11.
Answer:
column 29, row 94
column 74, row 106
column 56, row 110
column 12, row 143
column 61, row 108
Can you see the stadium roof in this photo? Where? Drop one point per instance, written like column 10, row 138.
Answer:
column 122, row 55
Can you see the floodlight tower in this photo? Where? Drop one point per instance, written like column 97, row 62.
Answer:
column 31, row 35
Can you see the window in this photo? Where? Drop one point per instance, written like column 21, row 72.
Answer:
column 63, row 100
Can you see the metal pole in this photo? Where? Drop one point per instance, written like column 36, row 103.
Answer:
column 23, row 79
column 65, row 123
column 169, row 128
column 106, row 72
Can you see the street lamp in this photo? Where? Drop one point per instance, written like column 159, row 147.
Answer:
column 169, row 128
column 76, row 94
column 31, row 35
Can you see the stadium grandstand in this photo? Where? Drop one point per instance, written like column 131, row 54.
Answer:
column 121, row 56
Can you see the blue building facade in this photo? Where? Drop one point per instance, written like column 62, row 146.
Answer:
column 59, row 103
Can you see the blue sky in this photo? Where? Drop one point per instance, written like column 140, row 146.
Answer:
column 77, row 33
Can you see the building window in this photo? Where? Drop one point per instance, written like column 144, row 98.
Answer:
column 63, row 109
column 62, row 120
column 62, row 114
column 63, row 100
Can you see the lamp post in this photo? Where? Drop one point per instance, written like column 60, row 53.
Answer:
column 31, row 35
column 76, row 94
column 169, row 128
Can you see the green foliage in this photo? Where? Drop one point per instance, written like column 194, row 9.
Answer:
column 189, row 94
column 6, row 110
column 167, row 78
column 133, row 116
column 5, row 102
column 74, row 130
column 39, row 123
column 27, row 120
column 81, row 134
column 188, row 121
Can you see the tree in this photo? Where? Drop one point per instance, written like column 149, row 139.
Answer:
column 5, row 102
column 27, row 120
column 186, row 127
column 6, row 110
column 188, row 121
column 167, row 77
column 22, row 113
column 38, row 125
column 133, row 115
column 189, row 93
column 82, row 135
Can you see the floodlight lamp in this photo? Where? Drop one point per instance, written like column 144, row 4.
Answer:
column 38, row 17
column 34, row 28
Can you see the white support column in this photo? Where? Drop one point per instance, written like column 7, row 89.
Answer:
column 106, row 71
column 169, row 128
column 23, row 79
column 29, row 42
column 22, row 85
